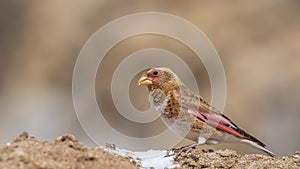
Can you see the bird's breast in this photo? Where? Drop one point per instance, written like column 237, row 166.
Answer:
column 168, row 105
column 158, row 97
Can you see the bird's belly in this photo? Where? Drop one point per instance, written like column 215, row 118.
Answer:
column 191, row 131
column 183, row 129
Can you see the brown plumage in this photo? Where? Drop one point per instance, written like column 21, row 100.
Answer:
column 189, row 115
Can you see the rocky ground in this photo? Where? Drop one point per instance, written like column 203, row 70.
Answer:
column 66, row 152
column 230, row 159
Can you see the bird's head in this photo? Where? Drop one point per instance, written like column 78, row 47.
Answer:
column 160, row 78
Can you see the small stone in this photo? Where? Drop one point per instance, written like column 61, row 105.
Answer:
column 296, row 156
column 110, row 146
column 196, row 159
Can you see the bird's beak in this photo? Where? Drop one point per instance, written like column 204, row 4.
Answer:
column 144, row 81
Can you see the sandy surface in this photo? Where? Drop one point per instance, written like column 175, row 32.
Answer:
column 230, row 159
column 66, row 152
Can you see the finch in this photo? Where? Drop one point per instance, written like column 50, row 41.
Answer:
column 189, row 115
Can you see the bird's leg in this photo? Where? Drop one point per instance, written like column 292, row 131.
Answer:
column 178, row 151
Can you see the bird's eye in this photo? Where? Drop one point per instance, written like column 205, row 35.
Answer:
column 155, row 73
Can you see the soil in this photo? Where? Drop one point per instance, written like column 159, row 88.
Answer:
column 26, row 152
column 230, row 159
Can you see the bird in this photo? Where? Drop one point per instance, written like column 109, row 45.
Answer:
column 189, row 115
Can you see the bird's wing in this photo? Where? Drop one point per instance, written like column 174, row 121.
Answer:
column 221, row 122
column 210, row 115
column 215, row 120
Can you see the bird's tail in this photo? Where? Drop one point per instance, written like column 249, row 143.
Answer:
column 257, row 146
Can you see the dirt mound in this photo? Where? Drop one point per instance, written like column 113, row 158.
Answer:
column 66, row 152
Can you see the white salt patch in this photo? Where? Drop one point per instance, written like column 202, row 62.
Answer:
column 147, row 159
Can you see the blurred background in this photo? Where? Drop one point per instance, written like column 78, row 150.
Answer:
column 258, row 42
